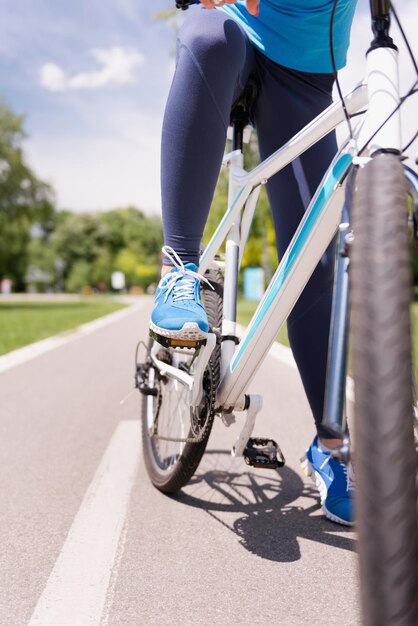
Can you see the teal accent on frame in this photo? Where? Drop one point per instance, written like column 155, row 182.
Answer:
column 335, row 176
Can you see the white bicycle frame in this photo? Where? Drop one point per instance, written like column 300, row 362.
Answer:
column 316, row 230
column 378, row 96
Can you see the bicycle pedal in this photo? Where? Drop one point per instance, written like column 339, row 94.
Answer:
column 171, row 342
column 141, row 380
column 263, row 453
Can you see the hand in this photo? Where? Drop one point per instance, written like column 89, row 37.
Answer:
column 252, row 5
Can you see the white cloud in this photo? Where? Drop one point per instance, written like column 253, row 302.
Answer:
column 118, row 68
column 116, row 166
column 52, row 77
column 103, row 160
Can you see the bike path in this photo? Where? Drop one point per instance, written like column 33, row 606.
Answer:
column 237, row 546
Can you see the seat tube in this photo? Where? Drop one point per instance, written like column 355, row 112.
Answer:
column 232, row 259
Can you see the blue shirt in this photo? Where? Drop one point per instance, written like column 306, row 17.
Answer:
column 295, row 33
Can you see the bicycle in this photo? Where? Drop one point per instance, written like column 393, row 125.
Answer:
column 369, row 197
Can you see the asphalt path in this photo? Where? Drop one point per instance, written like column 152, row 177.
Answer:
column 86, row 540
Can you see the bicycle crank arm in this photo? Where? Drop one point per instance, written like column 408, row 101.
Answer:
column 254, row 406
column 195, row 382
column 201, row 364
column 167, row 370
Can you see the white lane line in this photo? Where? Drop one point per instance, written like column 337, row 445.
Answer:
column 22, row 355
column 284, row 355
column 76, row 590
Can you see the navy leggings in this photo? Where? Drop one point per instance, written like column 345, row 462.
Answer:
column 214, row 61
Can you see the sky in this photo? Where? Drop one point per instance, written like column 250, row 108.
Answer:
column 91, row 79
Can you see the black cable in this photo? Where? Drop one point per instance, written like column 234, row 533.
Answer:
column 408, row 47
column 359, row 113
column 334, row 68
column 414, row 63
column 409, row 144
column 411, row 92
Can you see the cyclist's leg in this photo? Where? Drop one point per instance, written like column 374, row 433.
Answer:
column 214, row 60
column 288, row 101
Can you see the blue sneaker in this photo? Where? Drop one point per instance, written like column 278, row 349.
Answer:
column 335, row 482
column 178, row 312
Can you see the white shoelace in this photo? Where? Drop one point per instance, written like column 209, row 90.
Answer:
column 185, row 290
column 351, row 477
column 348, row 471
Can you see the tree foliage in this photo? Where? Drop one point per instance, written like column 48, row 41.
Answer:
column 71, row 250
column 261, row 246
column 24, row 200
column 118, row 240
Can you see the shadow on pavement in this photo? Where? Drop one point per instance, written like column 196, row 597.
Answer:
column 258, row 507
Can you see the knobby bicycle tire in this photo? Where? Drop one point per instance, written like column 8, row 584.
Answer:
column 188, row 460
column 385, row 457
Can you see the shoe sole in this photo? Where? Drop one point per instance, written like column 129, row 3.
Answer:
column 191, row 332
column 309, row 471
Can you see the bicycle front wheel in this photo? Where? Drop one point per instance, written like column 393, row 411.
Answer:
column 385, row 456
column 174, row 437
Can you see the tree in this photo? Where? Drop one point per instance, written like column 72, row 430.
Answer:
column 79, row 276
column 79, row 237
column 121, row 239
column 261, row 247
column 127, row 262
column 131, row 228
column 24, row 200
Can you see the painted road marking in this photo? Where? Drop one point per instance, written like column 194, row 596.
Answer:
column 75, row 593
column 22, row 355
column 284, row 355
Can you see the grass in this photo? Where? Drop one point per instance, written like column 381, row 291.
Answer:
column 22, row 323
column 246, row 310
column 414, row 322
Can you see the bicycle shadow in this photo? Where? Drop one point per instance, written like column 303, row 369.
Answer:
column 271, row 523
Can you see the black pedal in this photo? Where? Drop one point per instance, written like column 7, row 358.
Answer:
column 141, row 378
column 264, row 453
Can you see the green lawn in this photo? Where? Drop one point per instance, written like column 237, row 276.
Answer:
column 414, row 321
column 22, row 323
column 246, row 310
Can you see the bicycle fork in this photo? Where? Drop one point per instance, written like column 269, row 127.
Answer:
column 334, row 417
column 380, row 133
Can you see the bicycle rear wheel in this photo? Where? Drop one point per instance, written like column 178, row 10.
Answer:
column 385, row 456
column 174, row 438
